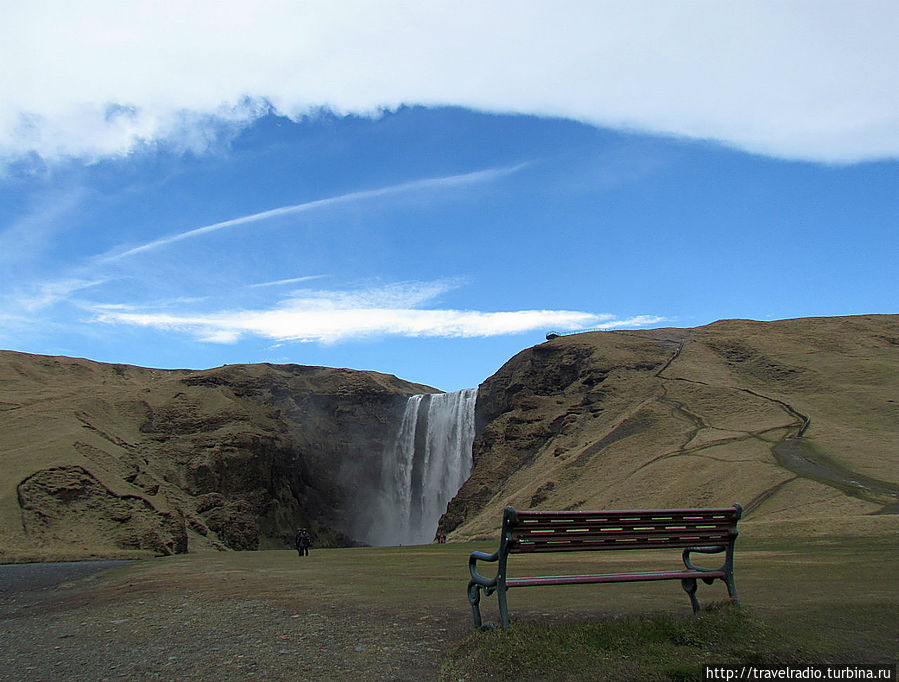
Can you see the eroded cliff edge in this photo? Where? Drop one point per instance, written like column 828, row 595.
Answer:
column 694, row 417
column 795, row 419
column 99, row 458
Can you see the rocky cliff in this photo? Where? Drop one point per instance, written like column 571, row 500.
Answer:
column 101, row 458
column 797, row 420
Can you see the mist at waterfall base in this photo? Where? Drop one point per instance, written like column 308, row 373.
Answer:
column 423, row 467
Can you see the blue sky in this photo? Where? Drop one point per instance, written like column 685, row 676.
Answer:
column 259, row 191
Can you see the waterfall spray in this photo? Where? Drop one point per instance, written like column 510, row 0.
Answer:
column 424, row 466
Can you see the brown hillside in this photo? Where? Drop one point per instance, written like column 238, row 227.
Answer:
column 696, row 417
column 98, row 458
column 796, row 419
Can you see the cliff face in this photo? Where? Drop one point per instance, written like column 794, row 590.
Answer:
column 694, row 417
column 99, row 458
column 796, row 420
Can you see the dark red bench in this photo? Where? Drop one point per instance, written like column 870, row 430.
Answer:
column 707, row 531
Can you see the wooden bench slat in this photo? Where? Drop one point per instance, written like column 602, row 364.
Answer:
column 521, row 541
column 637, row 532
column 623, row 519
column 636, row 513
column 621, row 523
column 591, row 546
column 688, row 540
column 712, row 518
column 691, row 539
column 537, row 581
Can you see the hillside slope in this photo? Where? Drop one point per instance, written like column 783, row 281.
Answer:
column 797, row 420
column 98, row 458
column 696, row 417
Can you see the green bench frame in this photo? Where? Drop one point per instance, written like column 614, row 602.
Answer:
column 706, row 531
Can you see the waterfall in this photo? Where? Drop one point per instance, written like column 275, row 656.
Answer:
column 424, row 466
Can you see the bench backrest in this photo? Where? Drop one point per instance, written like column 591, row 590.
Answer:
column 577, row 531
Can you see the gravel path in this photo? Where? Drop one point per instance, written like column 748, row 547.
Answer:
column 26, row 582
column 99, row 629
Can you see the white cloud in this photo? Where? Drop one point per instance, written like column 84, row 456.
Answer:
column 281, row 282
column 23, row 304
column 351, row 197
column 47, row 294
column 812, row 80
column 332, row 316
column 27, row 238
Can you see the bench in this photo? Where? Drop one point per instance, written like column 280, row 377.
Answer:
column 706, row 531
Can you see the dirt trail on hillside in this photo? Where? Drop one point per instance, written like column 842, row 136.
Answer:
column 800, row 458
column 693, row 417
column 793, row 454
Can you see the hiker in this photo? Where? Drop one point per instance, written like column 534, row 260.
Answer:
column 302, row 541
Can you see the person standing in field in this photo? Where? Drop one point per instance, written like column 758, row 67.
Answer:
column 302, row 542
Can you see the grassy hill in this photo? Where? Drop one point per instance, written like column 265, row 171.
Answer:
column 798, row 420
column 101, row 459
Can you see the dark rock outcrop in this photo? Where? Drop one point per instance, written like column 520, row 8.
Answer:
column 97, row 457
column 236, row 457
column 691, row 417
column 69, row 505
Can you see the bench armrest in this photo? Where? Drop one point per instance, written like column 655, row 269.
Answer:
column 717, row 549
column 476, row 577
column 702, row 550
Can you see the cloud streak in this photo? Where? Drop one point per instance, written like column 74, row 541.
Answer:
column 281, row 282
column 812, row 81
column 446, row 182
column 50, row 293
column 330, row 317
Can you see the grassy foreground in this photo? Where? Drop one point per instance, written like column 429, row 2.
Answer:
column 827, row 601
column 402, row 613
column 652, row 647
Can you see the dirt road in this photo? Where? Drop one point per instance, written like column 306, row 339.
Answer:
column 68, row 621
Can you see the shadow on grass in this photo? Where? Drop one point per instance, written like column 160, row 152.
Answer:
column 652, row 647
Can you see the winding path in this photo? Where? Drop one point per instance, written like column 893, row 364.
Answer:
column 792, row 453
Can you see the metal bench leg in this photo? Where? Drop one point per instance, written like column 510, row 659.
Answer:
column 689, row 585
column 503, row 607
column 474, row 598
column 731, row 588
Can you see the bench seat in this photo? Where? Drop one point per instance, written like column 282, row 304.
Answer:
column 537, row 581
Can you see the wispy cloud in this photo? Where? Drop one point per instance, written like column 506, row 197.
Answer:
column 439, row 183
column 281, row 282
column 329, row 317
column 46, row 294
column 33, row 233
column 29, row 307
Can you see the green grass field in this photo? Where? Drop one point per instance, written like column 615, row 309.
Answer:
column 827, row 600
